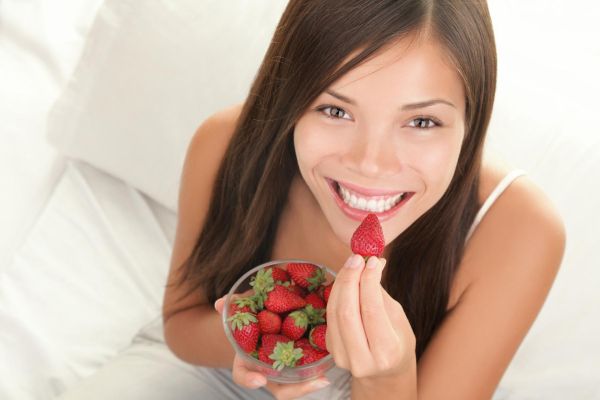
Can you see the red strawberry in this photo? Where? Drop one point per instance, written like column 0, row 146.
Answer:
column 269, row 322
column 327, row 292
column 308, row 276
column 278, row 350
column 243, row 304
column 262, row 282
column 278, row 274
column 315, row 316
column 317, row 337
column 245, row 331
column 268, row 343
column 302, row 343
column 299, row 290
column 285, row 355
column 281, row 299
column 294, row 325
column 315, row 300
column 367, row 239
column 264, row 356
column 310, row 355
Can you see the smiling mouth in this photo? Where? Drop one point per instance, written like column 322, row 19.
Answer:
column 369, row 203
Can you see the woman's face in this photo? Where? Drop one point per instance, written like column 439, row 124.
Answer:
column 385, row 138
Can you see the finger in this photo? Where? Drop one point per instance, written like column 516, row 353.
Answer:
column 347, row 311
column 378, row 328
column 396, row 313
column 244, row 377
column 296, row 390
column 219, row 304
column 333, row 340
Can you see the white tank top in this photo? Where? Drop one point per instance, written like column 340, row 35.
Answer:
column 504, row 183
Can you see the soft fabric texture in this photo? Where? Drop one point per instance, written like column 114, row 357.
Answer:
column 150, row 72
column 40, row 43
column 91, row 272
column 147, row 370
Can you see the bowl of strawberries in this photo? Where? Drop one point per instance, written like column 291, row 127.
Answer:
column 275, row 318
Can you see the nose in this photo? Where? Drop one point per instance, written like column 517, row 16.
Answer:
column 372, row 156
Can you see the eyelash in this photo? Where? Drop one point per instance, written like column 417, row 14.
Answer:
column 436, row 122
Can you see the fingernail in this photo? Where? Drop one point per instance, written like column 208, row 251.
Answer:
column 216, row 302
column 383, row 262
column 320, row 384
column 257, row 382
column 353, row 262
column 372, row 262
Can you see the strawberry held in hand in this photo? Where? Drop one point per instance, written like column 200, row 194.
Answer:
column 368, row 239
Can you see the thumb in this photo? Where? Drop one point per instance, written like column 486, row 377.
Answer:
column 219, row 304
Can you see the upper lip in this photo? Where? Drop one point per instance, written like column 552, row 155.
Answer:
column 369, row 192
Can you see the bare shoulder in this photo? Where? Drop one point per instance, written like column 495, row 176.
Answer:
column 522, row 224
column 508, row 269
column 216, row 130
column 202, row 160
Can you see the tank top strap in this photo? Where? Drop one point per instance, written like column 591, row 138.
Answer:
column 504, row 183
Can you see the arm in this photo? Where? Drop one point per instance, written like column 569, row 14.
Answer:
column 514, row 257
column 402, row 386
column 192, row 327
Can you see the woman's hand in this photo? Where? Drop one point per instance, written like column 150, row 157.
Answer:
column 368, row 332
column 253, row 380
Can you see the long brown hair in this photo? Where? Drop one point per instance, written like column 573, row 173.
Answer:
column 306, row 56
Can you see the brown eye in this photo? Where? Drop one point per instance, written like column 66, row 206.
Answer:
column 422, row 123
column 334, row 112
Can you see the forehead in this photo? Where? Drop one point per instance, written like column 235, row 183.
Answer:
column 408, row 70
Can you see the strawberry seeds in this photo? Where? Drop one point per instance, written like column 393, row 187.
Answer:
column 283, row 323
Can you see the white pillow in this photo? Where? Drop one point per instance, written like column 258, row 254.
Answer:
column 149, row 74
column 91, row 272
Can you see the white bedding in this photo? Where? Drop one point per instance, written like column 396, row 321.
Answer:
column 40, row 43
column 90, row 273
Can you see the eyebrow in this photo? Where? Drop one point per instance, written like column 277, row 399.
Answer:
column 410, row 106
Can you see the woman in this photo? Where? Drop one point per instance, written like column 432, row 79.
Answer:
column 387, row 102
column 368, row 106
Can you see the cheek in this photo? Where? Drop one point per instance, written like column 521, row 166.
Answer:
column 439, row 164
column 313, row 144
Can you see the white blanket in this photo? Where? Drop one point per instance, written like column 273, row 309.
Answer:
column 89, row 275
column 40, row 42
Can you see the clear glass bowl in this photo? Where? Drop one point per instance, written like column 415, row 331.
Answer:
column 287, row 374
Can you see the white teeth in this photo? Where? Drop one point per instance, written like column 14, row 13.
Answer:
column 388, row 204
column 368, row 204
column 362, row 203
column 372, row 205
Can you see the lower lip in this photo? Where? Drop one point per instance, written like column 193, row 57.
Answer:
column 359, row 215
